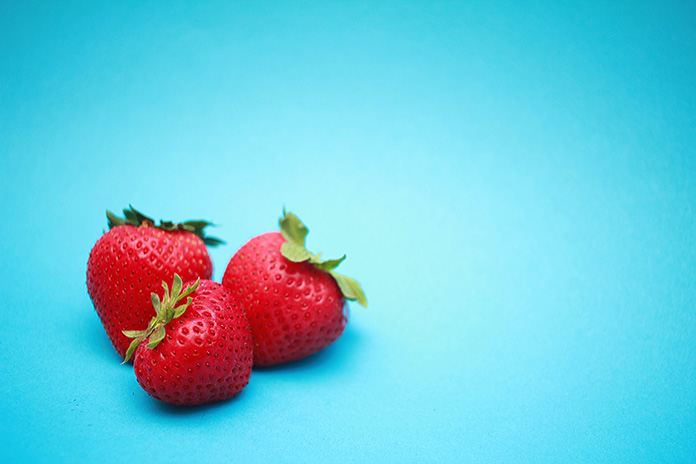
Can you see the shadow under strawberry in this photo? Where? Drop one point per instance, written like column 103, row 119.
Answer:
column 173, row 410
column 333, row 358
column 92, row 334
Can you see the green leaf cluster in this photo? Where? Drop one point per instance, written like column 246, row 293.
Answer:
column 167, row 308
column 294, row 249
column 134, row 217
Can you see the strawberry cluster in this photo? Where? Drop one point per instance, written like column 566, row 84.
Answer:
column 198, row 341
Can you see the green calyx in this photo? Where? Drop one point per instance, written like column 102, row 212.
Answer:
column 134, row 217
column 295, row 233
column 167, row 310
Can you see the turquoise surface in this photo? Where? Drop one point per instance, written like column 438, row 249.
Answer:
column 513, row 184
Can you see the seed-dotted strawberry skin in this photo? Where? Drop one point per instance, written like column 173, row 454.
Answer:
column 128, row 263
column 206, row 354
column 294, row 309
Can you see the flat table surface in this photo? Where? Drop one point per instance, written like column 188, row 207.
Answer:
column 513, row 184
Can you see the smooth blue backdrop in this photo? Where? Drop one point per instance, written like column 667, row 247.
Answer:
column 513, row 183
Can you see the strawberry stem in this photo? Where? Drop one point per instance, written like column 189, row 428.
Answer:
column 293, row 249
column 135, row 218
column 167, row 310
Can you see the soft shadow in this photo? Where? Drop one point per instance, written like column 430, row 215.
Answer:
column 335, row 355
column 174, row 410
column 93, row 336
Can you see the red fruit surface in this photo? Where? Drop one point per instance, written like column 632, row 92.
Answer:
column 128, row 263
column 294, row 309
column 206, row 354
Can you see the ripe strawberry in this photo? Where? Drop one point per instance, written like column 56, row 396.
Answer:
column 296, row 303
column 132, row 259
column 205, row 352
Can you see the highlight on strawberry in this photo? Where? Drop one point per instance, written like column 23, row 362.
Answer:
column 295, row 301
column 193, row 352
column 130, row 261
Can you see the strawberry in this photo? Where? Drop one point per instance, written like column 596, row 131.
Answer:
column 132, row 259
column 295, row 302
column 196, row 352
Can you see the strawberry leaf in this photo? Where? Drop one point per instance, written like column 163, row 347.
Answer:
column 177, row 285
column 135, row 218
column 180, row 310
column 156, row 303
column 134, row 333
column 295, row 253
column 212, row 241
column 114, row 221
column 293, row 249
column 166, row 296
column 166, row 311
column 329, row 264
column 156, row 337
column 195, row 225
column 188, row 290
column 131, row 348
column 292, row 229
column 169, row 315
column 350, row 288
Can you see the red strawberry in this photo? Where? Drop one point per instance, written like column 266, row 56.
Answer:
column 197, row 352
column 296, row 303
column 132, row 259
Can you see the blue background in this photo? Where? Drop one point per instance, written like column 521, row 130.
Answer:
column 514, row 186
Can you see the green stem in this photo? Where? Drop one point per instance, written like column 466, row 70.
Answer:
column 167, row 310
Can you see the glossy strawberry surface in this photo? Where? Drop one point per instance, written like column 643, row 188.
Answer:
column 206, row 354
column 294, row 309
column 128, row 263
